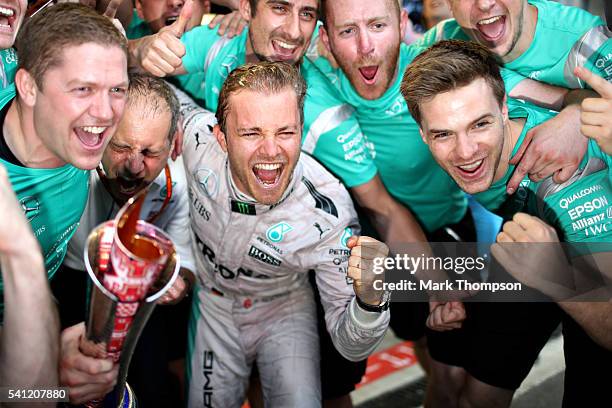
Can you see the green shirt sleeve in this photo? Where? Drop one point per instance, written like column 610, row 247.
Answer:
column 198, row 43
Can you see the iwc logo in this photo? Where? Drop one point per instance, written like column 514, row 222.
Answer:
column 30, row 206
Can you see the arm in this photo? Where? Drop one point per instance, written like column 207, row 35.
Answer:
column 123, row 12
column 29, row 343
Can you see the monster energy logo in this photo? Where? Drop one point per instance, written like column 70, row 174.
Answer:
column 243, row 208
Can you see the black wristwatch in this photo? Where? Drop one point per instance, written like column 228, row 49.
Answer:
column 379, row 308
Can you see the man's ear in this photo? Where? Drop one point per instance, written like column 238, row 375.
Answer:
column 505, row 109
column 404, row 20
column 26, row 87
column 423, row 135
column 244, row 8
column 139, row 9
column 220, row 137
column 324, row 38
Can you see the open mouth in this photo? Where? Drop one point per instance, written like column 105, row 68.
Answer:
column 91, row 137
column 472, row 170
column 128, row 187
column 284, row 51
column 7, row 18
column 369, row 74
column 268, row 174
column 492, row 28
column 171, row 20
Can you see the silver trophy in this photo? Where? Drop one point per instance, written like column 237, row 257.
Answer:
column 132, row 264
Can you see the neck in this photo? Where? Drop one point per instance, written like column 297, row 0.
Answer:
column 251, row 57
column 23, row 141
column 512, row 133
column 530, row 20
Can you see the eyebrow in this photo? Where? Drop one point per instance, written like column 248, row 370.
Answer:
column 245, row 130
column 288, row 4
column 87, row 82
column 486, row 115
column 369, row 21
column 292, row 128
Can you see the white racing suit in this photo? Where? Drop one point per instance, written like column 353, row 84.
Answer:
column 253, row 303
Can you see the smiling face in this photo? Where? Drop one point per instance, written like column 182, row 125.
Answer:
column 11, row 17
column 364, row 38
column 466, row 131
column 262, row 138
column 139, row 151
column 279, row 30
column 159, row 13
column 505, row 27
column 81, row 102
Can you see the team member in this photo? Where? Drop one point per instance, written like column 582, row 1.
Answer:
column 67, row 99
column 28, row 337
column 456, row 94
column 13, row 13
column 136, row 158
column 250, row 186
column 520, row 33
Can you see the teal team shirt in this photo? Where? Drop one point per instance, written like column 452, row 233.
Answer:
column 580, row 210
column 565, row 38
column 213, row 56
column 391, row 138
column 8, row 67
column 192, row 84
column 52, row 199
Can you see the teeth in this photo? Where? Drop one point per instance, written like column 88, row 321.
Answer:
column 472, row 166
column 285, row 45
column 94, row 129
column 265, row 166
column 489, row 20
column 7, row 12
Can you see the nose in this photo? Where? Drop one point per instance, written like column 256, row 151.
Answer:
column 101, row 107
column 366, row 46
column 292, row 26
column 485, row 5
column 466, row 147
column 269, row 147
column 135, row 163
column 176, row 3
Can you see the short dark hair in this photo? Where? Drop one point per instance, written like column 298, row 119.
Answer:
column 43, row 37
column 449, row 65
column 151, row 93
column 265, row 77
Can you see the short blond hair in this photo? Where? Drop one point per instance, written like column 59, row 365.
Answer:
column 265, row 77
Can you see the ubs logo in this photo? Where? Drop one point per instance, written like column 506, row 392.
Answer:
column 30, row 206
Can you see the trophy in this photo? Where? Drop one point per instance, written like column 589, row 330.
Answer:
column 132, row 264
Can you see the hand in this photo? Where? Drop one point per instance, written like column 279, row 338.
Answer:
column 181, row 288
column 596, row 115
column 161, row 54
column 555, row 147
column 87, row 378
column 111, row 11
column 445, row 316
column 325, row 53
column 543, row 267
column 361, row 267
column 230, row 24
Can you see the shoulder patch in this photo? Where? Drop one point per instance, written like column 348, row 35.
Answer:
column 322, row 202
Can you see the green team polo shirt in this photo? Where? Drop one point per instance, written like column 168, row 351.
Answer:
column 580, row 209
column 191, row 84
column 52, row 199
column 8, row 67
column 392, row 138
column 565, row 38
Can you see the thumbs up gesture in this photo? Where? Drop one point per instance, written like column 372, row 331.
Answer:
column 160, row 54
column 596, row 113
